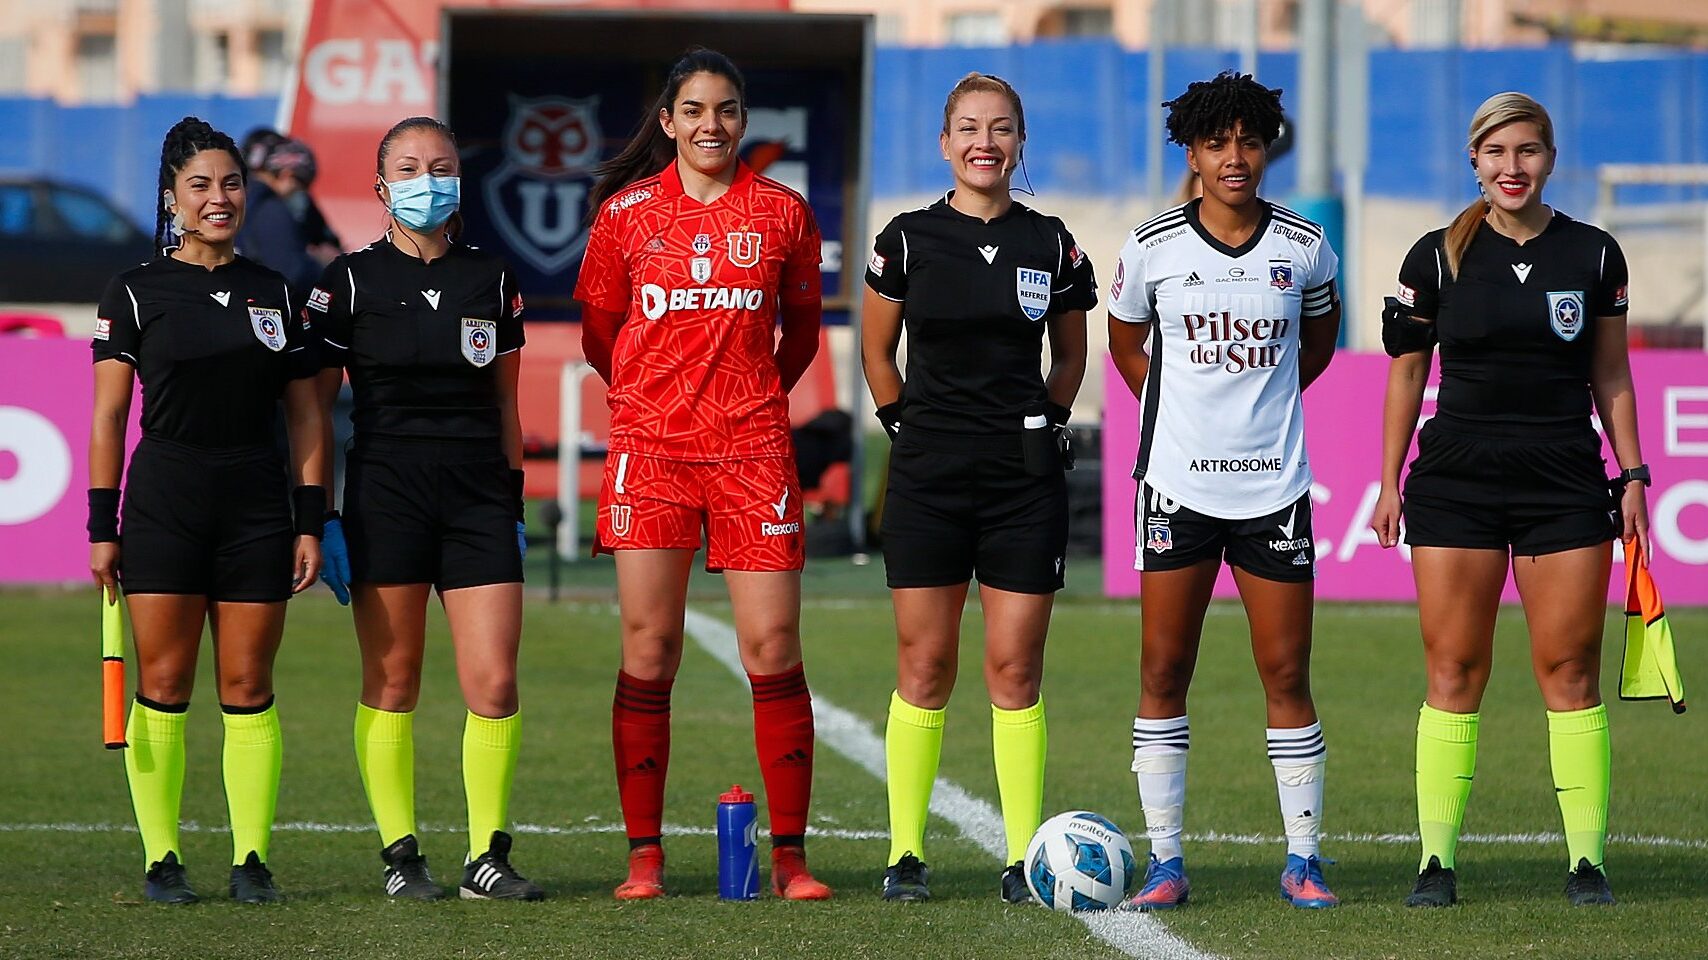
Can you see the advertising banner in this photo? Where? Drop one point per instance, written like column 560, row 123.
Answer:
column 46, row 402
column 1343, row 432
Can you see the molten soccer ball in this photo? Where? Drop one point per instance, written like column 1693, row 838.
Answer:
column 1080, row 861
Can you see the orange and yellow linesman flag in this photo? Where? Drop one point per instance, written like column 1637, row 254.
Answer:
column 1650, row 670
column 113, row 670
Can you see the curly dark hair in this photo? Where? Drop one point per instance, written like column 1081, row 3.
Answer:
column 1212, row 107
column 187, row 138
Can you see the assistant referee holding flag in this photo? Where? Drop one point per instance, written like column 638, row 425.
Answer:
column 975, row 483
column 207, row 532
column 1528, row 308
column 431, row 332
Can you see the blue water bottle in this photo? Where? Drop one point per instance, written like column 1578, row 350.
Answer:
column 738, row 848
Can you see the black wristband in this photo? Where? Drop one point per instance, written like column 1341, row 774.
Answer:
column 308, row 503
column 1057, row 414
column 890, row 416
column 517, row 479
column 103, row 515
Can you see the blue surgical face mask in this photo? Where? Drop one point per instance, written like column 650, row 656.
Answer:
column 425, row 202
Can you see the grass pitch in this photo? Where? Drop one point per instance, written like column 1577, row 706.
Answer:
column 70, row 866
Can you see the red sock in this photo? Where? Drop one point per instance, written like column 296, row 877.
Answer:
column 640, row 741
column 783, row 734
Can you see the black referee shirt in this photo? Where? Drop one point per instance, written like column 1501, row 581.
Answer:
column 419, row 339
column 1517, row 324
column 213, row 348
column 975, row 297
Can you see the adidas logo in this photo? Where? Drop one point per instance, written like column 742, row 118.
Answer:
column 1302, row 559
column 649, row 765
column 486, row 876
column 393, row 882
column 793, row 758
column 1193, row 280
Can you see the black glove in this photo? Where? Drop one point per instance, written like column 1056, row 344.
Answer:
column 1059, row 416
column 890, row 416
column 1401, row 333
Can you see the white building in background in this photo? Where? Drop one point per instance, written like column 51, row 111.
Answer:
column 109, row 51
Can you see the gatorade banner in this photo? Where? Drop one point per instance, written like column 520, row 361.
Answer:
column 1343, row 431
column 367, row 64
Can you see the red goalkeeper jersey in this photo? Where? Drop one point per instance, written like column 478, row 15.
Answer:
column 693, row 372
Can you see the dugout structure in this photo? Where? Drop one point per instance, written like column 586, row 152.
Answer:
column 539, row 97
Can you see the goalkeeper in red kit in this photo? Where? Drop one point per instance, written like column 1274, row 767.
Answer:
column 692, row 262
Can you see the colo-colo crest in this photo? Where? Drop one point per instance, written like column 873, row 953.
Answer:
column 537, row 199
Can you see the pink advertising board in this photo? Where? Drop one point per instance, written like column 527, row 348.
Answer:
column 1343, row 417
column 46, row 400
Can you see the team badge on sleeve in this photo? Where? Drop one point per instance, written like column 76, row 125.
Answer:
column 269, row 327
column 479, row 341
column 1075, row 257
column 877, row 264
column 1565, row 313
column 1281, row 274
column 1622, row 296
column 516, row 305
column 1407, row 296
column 320, row 300
column 1032, row 287
column 1119, row 281
column 103, row 328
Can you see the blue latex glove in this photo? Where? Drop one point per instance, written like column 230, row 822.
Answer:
column 522, row 539
column 335, row 560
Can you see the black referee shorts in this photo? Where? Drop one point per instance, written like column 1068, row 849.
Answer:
column 1532, row 490
column 959, row 507
column 427, row 511
column 216, row 523
column 1279, row 546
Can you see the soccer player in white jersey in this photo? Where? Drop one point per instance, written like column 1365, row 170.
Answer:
column 1221, row 311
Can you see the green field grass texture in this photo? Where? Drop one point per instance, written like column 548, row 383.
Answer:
column 70, row 867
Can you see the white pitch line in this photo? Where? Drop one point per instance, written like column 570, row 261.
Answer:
column 301, row 826
column 1133, row 934
column 1541, row 839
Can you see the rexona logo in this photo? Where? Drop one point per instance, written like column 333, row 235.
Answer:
column 656, row 301
column 770, row 529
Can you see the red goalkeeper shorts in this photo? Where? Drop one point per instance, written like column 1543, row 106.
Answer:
column 749, row 511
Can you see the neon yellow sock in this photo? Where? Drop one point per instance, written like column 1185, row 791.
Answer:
column 154, row 765
column 254, row 751
column 490, row 747
column 1019, row 739
column 913, row 746
column 1580, row 751
column 385, row 753
column 1446, row 762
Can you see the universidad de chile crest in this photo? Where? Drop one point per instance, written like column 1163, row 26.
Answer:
column 537, row 198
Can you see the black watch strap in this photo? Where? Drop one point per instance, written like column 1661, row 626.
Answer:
column 1636, row 474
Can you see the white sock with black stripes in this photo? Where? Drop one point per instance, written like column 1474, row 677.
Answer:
column 1159, row 759
column 1299, row 757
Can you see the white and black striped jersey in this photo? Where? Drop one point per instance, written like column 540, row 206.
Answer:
column 1222, row 428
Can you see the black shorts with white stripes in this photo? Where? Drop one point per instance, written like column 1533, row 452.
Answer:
column 1172, row 536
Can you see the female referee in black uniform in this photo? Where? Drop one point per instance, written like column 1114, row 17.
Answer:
column 431, row 332
column 975, row 484
column 1528, row 308
column 207, row 531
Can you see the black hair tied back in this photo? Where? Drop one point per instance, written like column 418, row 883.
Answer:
column 1210, row 108
column 187, row 138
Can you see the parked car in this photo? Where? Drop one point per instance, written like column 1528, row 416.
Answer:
column 60, row 243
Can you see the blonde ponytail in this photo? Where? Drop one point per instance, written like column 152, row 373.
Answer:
column 1495, row 112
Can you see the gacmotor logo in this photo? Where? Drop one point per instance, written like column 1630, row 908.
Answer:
column 43, row 465
column 656, row 301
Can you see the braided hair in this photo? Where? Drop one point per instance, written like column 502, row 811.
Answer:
column 1209, row 108
column 187, row 138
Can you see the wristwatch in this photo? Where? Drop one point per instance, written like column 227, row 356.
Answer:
column 1636, row 474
